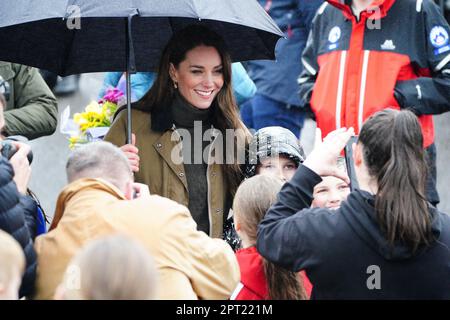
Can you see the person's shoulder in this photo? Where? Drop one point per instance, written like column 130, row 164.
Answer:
column 170, row 206
column 326, row 14
column 136, row 111
column 139, row 117
column 326, row 10
column 164, row 208
column 417, row 6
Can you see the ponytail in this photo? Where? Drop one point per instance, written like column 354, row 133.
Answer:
column 393, row 152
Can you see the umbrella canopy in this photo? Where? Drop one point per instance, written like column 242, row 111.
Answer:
column 79, row 36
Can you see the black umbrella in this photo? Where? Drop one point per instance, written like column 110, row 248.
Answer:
column 80, row 36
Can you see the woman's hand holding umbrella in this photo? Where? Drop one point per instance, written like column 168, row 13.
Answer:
column 131, row 152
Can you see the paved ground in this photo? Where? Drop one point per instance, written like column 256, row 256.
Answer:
column 50, row 153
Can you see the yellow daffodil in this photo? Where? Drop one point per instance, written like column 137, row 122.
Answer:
column 95, row 115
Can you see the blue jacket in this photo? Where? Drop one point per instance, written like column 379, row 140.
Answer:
column 243, row 86
column 17, row 214
column 278, row 79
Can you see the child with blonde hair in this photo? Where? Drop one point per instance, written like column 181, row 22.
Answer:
column 110, row 268
column 12, row 267
column 260, row 279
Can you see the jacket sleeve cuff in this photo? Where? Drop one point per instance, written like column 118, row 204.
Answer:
column 402, row 91
column 306, row 179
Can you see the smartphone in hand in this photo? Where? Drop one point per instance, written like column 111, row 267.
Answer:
column 349, row 163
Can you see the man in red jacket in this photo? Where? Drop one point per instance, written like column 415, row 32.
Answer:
column 363, row 56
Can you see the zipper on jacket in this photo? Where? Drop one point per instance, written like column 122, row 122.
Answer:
column 362, row 88
column 353, row 81
column 340, row 88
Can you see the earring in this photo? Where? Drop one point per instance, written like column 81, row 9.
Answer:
column 175, row 85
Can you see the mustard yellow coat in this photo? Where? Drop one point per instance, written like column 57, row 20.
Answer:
column 191, row 265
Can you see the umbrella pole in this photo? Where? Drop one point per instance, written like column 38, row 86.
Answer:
column 131, row 68
column 129, row 131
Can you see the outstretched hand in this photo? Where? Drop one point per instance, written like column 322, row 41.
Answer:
column 322, row 160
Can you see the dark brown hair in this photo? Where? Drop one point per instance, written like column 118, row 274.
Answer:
column 253, row 198
column 225, row 111
column 393, row 152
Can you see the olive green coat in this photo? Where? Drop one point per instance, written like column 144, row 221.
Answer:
column 32, row 109
column 161, row 166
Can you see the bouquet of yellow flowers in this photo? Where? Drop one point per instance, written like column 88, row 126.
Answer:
column 94, row 122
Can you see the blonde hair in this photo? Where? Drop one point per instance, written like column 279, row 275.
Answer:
column 253, row 199
column 12, row 258
column 111, row 268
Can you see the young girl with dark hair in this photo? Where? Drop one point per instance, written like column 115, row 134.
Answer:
column 385, row 241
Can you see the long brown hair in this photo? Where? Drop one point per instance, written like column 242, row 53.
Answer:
column 225, row 110
column 253, row 198
column 393, row 152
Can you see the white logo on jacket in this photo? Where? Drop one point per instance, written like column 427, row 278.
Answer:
column 438, row 36
column 335, row 34
column 333, row 37
column 388, row 45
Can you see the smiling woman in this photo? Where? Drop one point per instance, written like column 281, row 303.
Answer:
column 199, row 78
column 192, row 93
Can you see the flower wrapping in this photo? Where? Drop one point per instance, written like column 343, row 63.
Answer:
column 93, row 123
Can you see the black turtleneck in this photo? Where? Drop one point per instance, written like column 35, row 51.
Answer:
column 194, row 120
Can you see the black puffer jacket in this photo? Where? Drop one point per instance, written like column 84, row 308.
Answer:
column 17, row 214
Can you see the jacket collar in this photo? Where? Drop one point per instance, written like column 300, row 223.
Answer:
column 383, row 5
column 102, row 187
column 163, row 119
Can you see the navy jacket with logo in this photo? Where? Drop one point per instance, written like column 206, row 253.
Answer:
column 277, row 79
column 396, row 55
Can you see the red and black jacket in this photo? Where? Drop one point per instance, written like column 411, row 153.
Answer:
column 397, row 55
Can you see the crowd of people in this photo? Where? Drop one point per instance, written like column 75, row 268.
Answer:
column 215, row 197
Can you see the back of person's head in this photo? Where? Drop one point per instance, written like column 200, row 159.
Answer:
column 253, row 199
column 100, row 160
column 392, row 147
column 12, row 266
column 110, row 268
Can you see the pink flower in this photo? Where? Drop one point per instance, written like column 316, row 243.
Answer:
column 112, row 95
